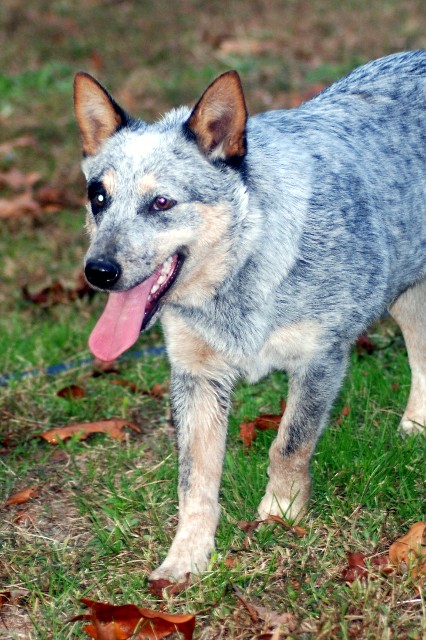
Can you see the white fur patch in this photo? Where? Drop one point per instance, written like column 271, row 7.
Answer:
column 141, row 145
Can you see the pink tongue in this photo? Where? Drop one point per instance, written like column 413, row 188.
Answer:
column 119, row 326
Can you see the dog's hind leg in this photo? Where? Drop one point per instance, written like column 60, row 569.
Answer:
column 409, row 311
column 312, row 391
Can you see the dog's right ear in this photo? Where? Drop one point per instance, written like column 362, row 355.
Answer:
column 98, row 115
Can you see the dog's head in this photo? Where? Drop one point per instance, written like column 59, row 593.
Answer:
column 164, row 201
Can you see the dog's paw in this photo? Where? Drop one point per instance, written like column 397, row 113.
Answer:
column 409, row 427
column 272, row 505
column 180, row 562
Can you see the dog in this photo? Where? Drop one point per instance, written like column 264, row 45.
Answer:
column 262, row 243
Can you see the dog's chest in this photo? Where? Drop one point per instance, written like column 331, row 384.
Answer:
column 285, row 347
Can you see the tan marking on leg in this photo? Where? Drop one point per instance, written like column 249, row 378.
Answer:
column 409, row 311
column 148, row 183
column 289, row 483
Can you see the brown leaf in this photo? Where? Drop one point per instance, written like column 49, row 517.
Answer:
column 16, row 180
column 23, row 516
column 111, row 622
column 249, row 527
column 14, row 596
column 299, row 532
column 247, row 433
column 102, row 366
column 271, row 618
column 71, row 391
column 267, row 421
column 158, row 390
column 111, row 427
column 125, row 383
column 19, row 206
column 23, row 496
column 23, row 141
column 411, row 550
column 156, row 586
column 357, row 569
column 364, row 344
column 53, row 198
column 48, row 296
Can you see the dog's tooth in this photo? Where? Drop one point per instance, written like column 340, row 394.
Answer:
column 155, row 288
column 162, row 279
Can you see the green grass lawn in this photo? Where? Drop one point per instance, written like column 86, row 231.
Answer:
column 105, row 511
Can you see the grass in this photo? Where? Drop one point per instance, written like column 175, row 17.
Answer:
column 106, row 511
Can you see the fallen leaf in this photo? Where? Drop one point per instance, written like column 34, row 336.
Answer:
column 364, row 344
column 53, row 198
column 19, row 206
column 272, row 619
column 111, row 427
column 111, row 622
column 23, row 496
column 411, row 550
column 156, row 587
column 23, row 141
column 299, row 532
column 23, row 516
column 358, row 569
column 102, row 366
column 249, row 527
column 267, row 421
column 158, row 390
column 16, row 180
column 247, row 433
column 48, row 296
column 128, row 384
column 14, row 596
column 71, row 391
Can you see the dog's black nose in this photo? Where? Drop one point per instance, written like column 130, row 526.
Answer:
column 102, row 273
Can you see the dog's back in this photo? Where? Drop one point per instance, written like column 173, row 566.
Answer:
column 358, row 150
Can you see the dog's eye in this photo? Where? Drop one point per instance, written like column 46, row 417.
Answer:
column 98, row 196
column 162, row 203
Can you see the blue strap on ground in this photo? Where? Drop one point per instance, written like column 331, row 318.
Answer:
column 56, row 369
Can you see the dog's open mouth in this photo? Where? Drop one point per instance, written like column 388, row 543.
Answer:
column 127, row 313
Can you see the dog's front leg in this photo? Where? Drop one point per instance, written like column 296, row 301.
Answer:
column 200, row 410
column 312, row 391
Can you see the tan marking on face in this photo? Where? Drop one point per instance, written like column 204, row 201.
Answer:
column 148, row 183
column 109, row 180
column 188, row 350
column 209, row 255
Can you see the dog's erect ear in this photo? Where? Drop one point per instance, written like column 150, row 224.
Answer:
column 218, row 120
column 98, row 115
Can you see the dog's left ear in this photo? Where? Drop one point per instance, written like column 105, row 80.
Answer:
column 218, row 120
column 98, row 115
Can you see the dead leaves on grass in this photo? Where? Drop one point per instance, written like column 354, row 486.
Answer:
column 111, row 622
column 112, row 427
column 275, row 622
column 407, row 551
column 22, row 497
column 23, row 198
column 248, row 430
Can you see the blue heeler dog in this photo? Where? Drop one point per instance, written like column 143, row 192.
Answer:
column 268, row 242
